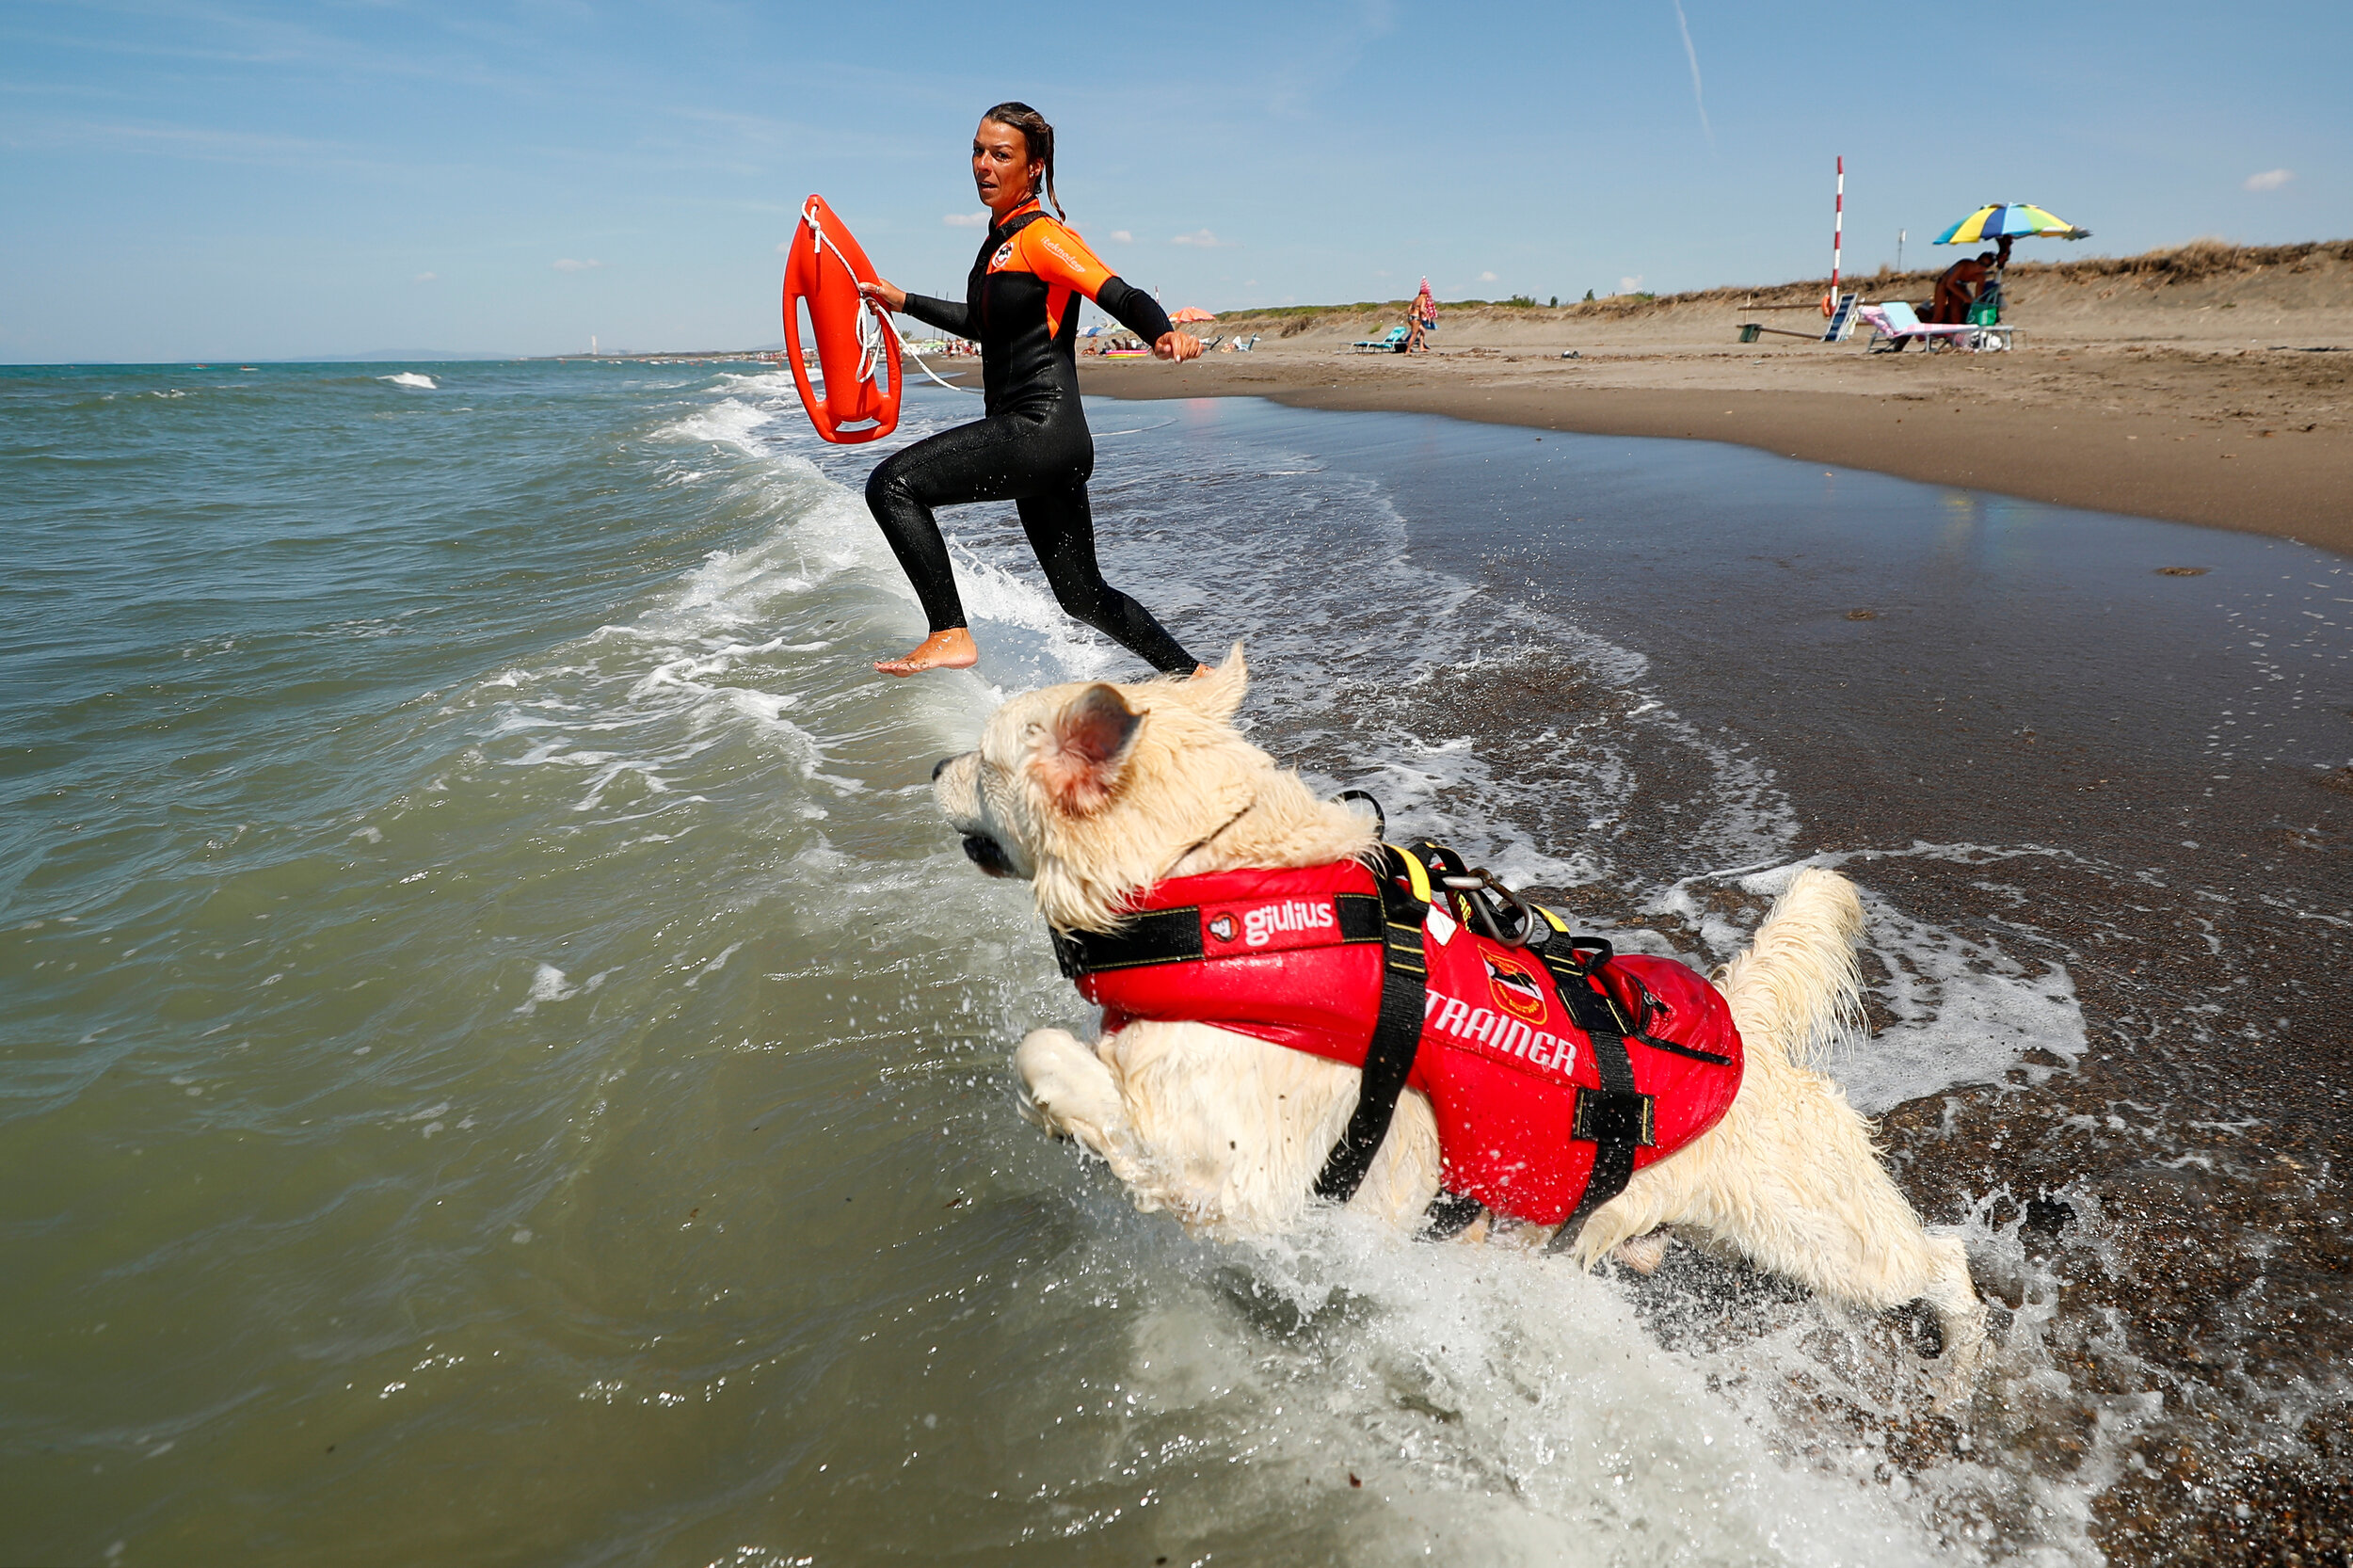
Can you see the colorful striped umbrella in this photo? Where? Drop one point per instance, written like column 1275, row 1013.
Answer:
column 2009, row 221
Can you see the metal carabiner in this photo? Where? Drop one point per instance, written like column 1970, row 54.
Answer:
column 1483, row 880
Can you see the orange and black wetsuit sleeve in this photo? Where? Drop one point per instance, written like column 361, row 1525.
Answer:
column 1063, row 263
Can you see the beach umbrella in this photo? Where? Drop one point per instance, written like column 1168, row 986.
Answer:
column 2010, row 221
column 1190, row 313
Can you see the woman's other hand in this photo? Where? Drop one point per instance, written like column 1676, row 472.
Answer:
column 892, row 298
column 1176, row 345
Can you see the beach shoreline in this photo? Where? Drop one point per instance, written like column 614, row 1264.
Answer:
column 2253, row 443
column 2209, row 384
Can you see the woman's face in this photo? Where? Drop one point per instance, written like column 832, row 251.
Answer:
column 1001, row 169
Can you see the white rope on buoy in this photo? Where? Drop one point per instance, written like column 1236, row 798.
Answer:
column 872, row 320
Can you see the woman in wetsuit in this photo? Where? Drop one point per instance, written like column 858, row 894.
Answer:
column 1021, row 304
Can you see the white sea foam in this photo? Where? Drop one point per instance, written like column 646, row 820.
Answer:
column 729, row 422
column 411, row 379
column 548, row 983
column 1495, row 1406
column 1966, row 1011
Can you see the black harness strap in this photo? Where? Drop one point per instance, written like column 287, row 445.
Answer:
column 1449, row 1215
column 1174, row 936
column 1396, row 1034
column 1616, row 1116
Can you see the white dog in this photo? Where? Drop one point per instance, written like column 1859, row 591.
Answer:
column 1094, row 792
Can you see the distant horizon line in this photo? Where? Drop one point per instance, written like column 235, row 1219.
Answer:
column 2213, row 253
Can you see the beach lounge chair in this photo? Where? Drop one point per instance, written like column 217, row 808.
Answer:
column 1895, row 321
column 1842, row 320
column 1393, row 344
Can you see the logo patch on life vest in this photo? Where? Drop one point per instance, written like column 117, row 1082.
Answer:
column 1005, row 254
column 1267, row 925
column 1515, row 990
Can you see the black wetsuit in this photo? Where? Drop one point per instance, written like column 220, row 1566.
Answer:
column 1033, row 448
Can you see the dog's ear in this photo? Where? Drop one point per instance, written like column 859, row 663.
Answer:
column 1086, row 749
column 1219, row 693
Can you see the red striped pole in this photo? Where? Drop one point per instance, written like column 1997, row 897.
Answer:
column 1838, row 227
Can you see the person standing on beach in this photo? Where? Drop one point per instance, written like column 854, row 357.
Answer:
column 1032, row 448
column 1420, row 319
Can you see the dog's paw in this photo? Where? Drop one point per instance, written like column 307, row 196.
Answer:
column 1643, row 1253
column 1066, row 1088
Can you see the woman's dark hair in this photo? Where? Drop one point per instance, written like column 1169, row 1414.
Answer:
column 1036, row 135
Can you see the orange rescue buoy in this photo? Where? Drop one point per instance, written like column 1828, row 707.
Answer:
column 858, row 353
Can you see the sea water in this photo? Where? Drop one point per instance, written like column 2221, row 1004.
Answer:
column 504, row 1063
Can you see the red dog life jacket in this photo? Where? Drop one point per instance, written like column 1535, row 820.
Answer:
column 1295, row 957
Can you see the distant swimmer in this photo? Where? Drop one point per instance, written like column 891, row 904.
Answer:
column 1033, row 449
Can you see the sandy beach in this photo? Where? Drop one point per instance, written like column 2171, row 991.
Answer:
column 2210, row 385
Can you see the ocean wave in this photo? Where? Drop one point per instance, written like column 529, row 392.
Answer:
column 411, row 379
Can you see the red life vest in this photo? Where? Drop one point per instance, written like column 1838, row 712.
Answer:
column 1296, row 956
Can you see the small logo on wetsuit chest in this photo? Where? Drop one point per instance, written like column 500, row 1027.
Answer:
column 1005, row 254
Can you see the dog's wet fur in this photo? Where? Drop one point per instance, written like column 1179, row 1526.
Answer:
column 1093, row 792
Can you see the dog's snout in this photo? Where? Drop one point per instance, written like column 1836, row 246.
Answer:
column 988, row 853
column 939, row 767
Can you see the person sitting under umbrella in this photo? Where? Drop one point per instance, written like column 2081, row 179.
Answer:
column 1959, row 286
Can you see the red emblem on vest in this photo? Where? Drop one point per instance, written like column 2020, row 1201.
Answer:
column 1515, row 988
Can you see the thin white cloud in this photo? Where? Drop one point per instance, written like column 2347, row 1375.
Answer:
column 1698, row 97
column 426, row 277
column 784, row 247
column 185, row 142
column 1203, row 239
column 2271, row 179
column 1123, row 237
column 568, row 264
column 1627, row 285
column 965, row 221
column 1487, row 277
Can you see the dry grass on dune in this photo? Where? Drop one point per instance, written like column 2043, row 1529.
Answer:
column 2203, row 273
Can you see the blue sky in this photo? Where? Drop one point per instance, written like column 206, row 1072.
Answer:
column 249, row 180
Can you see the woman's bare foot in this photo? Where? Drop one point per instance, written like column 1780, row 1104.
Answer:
column 951, row 649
